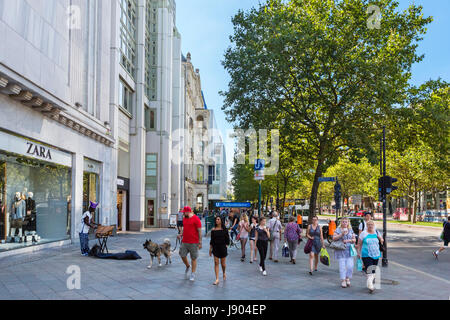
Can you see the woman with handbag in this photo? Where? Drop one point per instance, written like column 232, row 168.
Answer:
column 243, row 232
column 262, row 236
column 314, row 233
column 344, row 235
column 369, row 249
column 292, row 235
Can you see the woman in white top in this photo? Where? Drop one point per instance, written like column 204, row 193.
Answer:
column 244, row 229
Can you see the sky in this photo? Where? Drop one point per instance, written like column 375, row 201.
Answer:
column 205, row 27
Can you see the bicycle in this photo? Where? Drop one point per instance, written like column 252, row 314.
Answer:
column 236, row 244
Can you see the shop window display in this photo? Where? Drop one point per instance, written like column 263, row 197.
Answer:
column 34, row 202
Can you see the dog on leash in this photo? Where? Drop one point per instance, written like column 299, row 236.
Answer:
column 156, row 250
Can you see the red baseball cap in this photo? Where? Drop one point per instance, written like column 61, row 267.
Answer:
column 187, row 209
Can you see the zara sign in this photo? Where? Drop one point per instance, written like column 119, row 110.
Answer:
column 39, row 151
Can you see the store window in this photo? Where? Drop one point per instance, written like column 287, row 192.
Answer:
column 35, row 201
column 91, row 185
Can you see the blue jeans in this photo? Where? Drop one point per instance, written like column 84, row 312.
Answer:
column 84, row 242
column 234, row 232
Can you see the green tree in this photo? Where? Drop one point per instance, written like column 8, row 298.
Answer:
column 315, row 66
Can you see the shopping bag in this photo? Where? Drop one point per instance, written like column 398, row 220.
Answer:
column 238, row 237
column 285, row 251
column 442, row 236
column 308, row 247
column 353, row 252
column 324, row 257
column 359, row 265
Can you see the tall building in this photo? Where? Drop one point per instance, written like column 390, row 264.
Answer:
column 92, row 97
column 57, row 144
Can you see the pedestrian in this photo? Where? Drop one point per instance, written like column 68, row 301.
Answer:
column 275, row 230
column 180, row 217
column 234, row 224
column 292, row 235
column 252, row 237
column 87, row 222
column 220, row 239
column 446, row 234
column 363, row 225
column 192, row 241
column 244, row 229
column 345, row 234
column 369, row 250
column 262, row 238
column 314, row 233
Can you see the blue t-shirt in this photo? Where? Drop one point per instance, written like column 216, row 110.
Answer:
column 370, row 246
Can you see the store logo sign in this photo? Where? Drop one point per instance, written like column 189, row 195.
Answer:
column 39, row 151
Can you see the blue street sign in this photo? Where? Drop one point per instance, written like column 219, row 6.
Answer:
column 326, row 179
column 233, row 204
column 259, row 164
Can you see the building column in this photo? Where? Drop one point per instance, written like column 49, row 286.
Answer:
column 77, row 194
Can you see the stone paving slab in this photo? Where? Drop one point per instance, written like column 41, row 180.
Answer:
column 43, row 276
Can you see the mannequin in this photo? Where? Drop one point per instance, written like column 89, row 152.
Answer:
column 17, row 214
column 31, row 212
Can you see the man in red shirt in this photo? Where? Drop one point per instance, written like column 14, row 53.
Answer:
column 192, row 240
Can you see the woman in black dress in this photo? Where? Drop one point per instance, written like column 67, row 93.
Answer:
column 220, row 239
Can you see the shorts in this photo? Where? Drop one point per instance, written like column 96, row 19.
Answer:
column 191, row 248
column 368, row 262
column 446, row 243
column 180, row 224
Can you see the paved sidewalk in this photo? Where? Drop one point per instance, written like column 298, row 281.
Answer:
column 42, row 275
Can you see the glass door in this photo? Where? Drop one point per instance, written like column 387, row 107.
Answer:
column 150, row 214
column 119, row 209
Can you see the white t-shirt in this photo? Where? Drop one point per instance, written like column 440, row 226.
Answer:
column 84, row 228
column 363, row 226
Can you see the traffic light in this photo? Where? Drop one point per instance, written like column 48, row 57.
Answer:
column 389, row 184
column 380, row 189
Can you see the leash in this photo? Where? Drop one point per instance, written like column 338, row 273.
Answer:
column 176, row 245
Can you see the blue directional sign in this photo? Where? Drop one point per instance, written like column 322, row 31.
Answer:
column 259, row 164
column 233, row 204
column 326, row 179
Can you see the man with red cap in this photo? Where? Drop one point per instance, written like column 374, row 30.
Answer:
column 192, row 240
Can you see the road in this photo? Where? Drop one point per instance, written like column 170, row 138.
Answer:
column 42, row 275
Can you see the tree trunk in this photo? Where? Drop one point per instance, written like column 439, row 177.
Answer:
column 278, row 195
column 415, row 203
column 315, row 187
column 285, row 181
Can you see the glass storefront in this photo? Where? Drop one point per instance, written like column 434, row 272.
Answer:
column 35, row 201
column 91, row 185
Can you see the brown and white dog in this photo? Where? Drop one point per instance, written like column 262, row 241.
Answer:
column 156, row 250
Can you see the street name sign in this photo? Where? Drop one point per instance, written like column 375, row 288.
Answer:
column 326, row 179
column 233, row 204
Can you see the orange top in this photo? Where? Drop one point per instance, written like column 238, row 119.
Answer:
column 331, row 228
column 299, row 219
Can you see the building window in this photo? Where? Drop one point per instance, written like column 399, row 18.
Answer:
column 151, row 40
column 91, row 185
column 128, row 18
column 125, row 97
column 211, row 174
column 200, row 173
column 150, row 119
column 151, row 166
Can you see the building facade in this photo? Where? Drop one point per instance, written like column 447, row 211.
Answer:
column 94, row 96
column 57, row 146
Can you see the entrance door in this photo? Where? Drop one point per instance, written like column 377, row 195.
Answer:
column 150, row 214
column 119, row 209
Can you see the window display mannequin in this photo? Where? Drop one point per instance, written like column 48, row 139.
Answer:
column 17, row 215
column 31, row 213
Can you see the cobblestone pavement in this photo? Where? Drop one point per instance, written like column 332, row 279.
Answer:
column 42, row 275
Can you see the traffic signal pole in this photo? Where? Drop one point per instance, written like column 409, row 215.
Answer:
column 384, row 260
column 259, row 200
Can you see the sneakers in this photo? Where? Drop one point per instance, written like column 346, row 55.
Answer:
column 435, row 255
column 264, row 273
column 192, row 277
column 186, row 272
column 260, row 269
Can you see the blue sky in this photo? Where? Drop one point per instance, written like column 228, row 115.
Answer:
column 205, row 27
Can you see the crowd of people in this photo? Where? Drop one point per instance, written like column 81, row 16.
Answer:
column 264, row 238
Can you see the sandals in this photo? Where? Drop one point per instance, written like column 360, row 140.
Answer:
column 216, row 283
